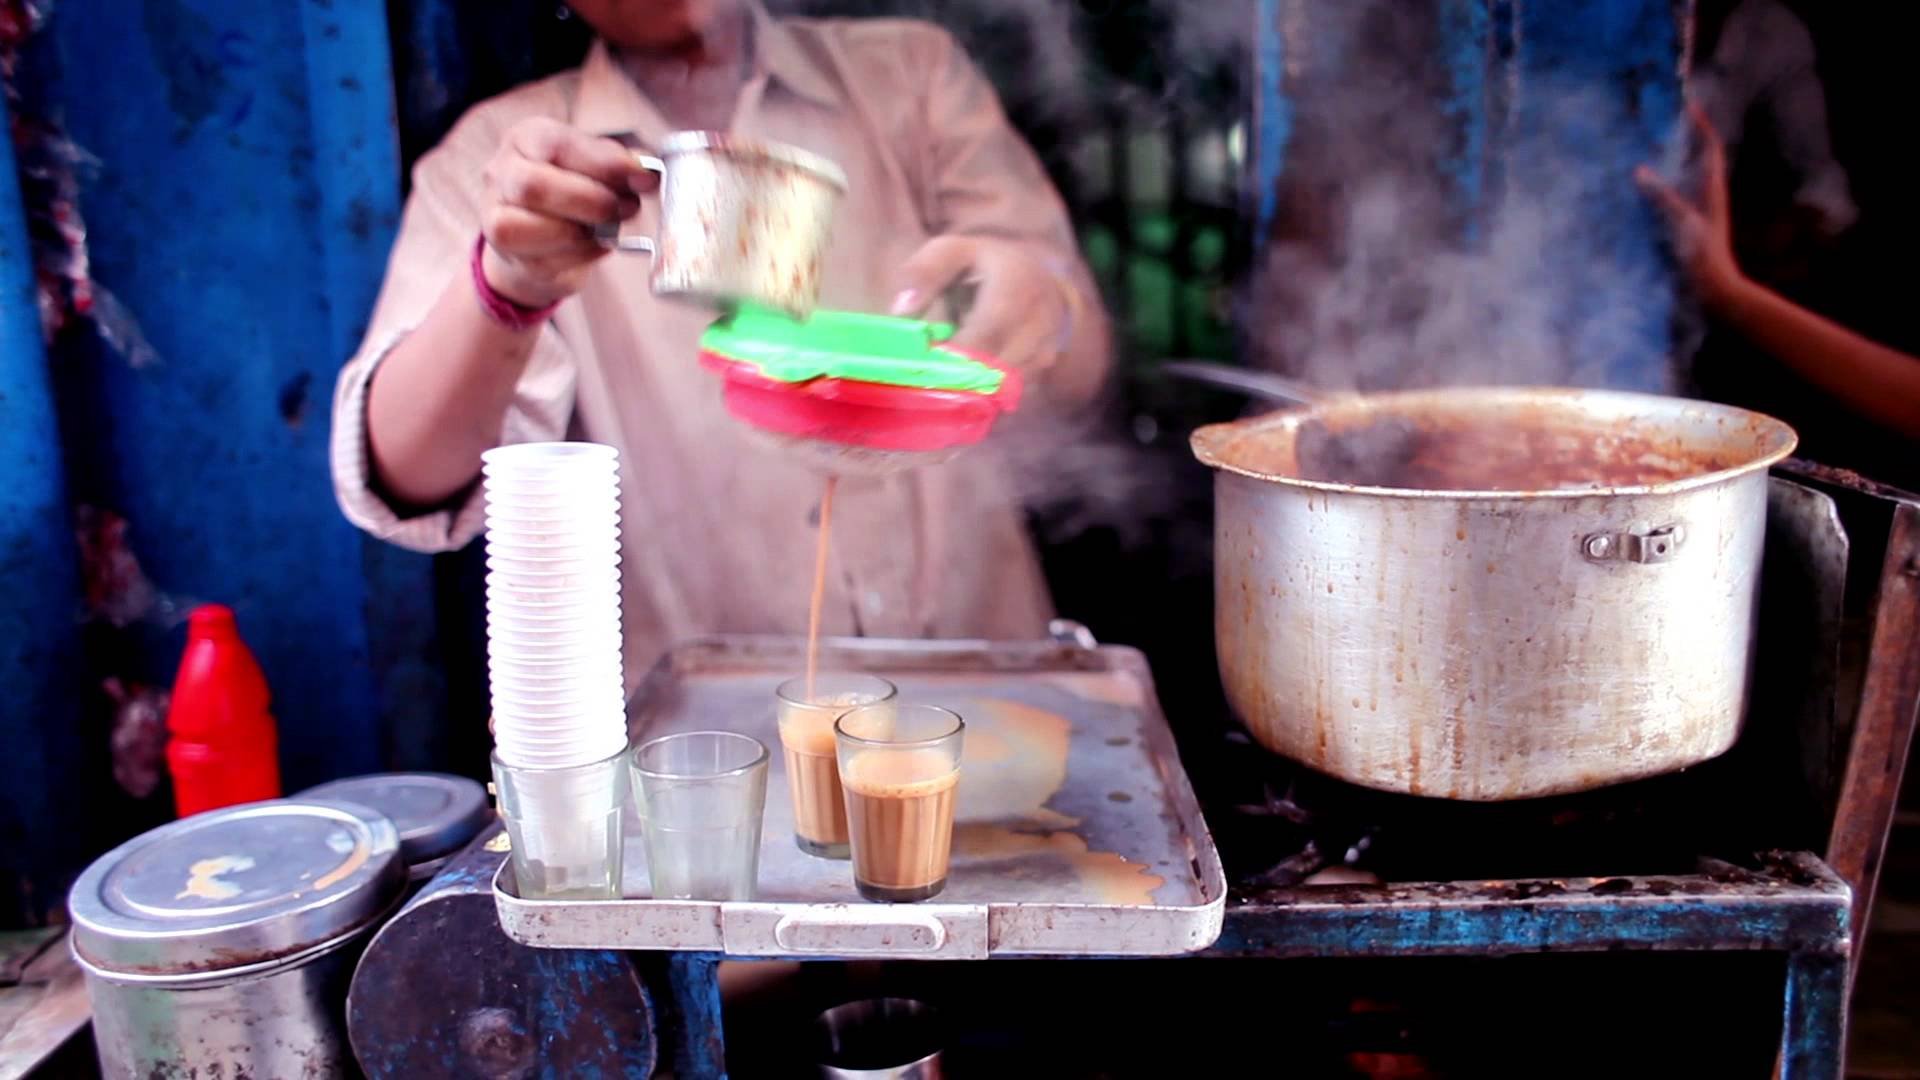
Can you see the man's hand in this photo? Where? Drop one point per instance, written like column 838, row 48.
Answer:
column 1702, row 232
column 1023, row 312
column 547, row 185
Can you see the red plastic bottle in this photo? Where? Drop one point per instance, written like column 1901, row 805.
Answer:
column 224, row 747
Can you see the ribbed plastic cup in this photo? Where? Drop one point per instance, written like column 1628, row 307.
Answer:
column 565, row 823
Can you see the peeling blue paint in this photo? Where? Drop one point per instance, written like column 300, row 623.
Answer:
column 1272, row 114
column 1466, row 45
column 40, row 583
column 246, row 196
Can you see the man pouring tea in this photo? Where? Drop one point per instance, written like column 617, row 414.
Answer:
column 503, row 320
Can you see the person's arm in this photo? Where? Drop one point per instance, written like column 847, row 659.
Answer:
column 1875, row 381
column 1879, row 383
column 1003, row 228
column 438, row 398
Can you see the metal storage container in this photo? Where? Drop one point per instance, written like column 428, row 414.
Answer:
column 222, row 944
column 436, row 814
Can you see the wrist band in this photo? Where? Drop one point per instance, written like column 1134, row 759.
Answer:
column 508, row 313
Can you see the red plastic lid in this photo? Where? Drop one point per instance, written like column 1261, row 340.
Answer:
column 870, row 415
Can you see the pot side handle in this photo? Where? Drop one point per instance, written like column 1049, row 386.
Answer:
column 1652, row 546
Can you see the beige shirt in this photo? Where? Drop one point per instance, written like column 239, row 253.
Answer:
column 716, row 529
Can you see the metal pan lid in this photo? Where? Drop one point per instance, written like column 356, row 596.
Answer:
column 236, row 887
column 436, row 813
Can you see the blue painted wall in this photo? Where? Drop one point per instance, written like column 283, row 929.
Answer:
column 1551, row 103
column 246, row 193
column 39, row 591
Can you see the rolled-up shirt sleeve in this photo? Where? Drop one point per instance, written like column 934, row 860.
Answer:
column 981, row 178
column 435, row 242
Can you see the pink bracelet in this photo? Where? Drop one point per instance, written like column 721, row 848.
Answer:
column 508, row 313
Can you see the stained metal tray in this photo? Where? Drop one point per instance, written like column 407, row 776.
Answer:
column 1077, row 831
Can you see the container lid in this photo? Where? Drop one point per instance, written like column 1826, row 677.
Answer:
column 236, row 887
column 851, row 345
column 436, row 813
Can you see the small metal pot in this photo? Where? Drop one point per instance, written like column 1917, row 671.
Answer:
column 740, row 220
column 222, row 944
column 879, row 1039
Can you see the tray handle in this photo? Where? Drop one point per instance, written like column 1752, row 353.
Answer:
column 947, row 931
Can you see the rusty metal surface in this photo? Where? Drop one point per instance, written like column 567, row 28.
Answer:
column 1884, row 725
column 1802, row 608
column 1791, row 903
column 1076, row 833
column 441, row 991
column 1471, row 647
column 1534, row 443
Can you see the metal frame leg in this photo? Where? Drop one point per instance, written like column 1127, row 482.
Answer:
column 698, row 1045
column 1813, row 1036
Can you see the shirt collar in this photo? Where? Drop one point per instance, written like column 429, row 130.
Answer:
column 609, row 101
column 779, row 52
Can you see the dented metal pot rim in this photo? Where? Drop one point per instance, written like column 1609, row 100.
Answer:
column 1211, row 444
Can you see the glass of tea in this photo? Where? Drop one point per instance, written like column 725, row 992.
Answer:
column 806, row 743
column 900, row 766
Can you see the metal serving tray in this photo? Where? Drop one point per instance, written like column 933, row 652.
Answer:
column 1077, row 832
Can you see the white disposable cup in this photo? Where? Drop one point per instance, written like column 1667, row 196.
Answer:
column 591, row 636
column 603, row 685
column 590, row 480
column 553, row 712
column 514, row 542
column 551, row 748
column 523, row 652
column 594, row 554
column 517, row 454
column 556, row 719
column 573, row 517
column 531, row 602
column 566, row 562
column 524, row 679
column 583, row 747
column 553, row 486
column 592, row 744
column 553, row 500
column 553, row 540
column 550, row 494
column 584, row 655
column 559, row 582
column 576, row 621
column 515, row 626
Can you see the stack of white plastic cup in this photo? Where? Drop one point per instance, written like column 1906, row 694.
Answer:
column 553, row 630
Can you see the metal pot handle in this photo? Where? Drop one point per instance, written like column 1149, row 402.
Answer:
column 607, row 233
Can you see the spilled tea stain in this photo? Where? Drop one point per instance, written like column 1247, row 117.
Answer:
column 1013, row 759
column 203, row 881
column 1102, row 877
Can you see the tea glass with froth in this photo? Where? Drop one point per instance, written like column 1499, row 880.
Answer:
column 807, row 749
column 900, row 766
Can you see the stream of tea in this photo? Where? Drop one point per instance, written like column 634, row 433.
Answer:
column 815, row 605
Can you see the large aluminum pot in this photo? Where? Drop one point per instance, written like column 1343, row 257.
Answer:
column 1491, row 593
column 740, row 220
